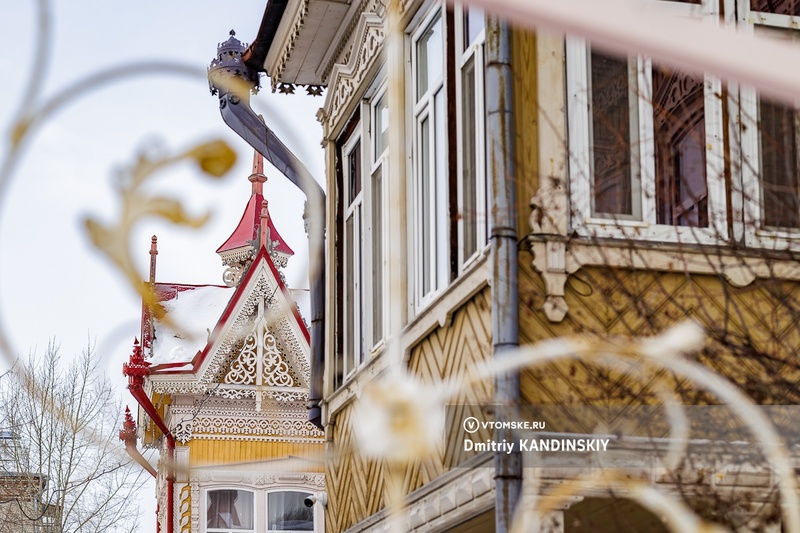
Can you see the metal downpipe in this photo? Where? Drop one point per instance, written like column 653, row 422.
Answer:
column 505, row 296
column 232, row 81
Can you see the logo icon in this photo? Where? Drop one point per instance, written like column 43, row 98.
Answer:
column 471, row 424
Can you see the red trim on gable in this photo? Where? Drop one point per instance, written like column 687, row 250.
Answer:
column 197, row 360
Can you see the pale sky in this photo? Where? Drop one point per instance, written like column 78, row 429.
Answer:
column 52, row 284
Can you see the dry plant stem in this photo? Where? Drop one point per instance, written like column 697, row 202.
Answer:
column 632, row 27
column 678, row 516
column 670, row 401
column 566, row 349
column 29, row 120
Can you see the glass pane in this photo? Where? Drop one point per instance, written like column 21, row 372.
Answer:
column 358, row 277
column 469, row 201
column 473, row 24
column 349, row 290
column 430, row 56
column 779, row 183
column 440, row 190
column 377, row 256
column 779, row 7
column 354, row 171
column 287, row 512
column 229, row 510
column 679, row 125
column 425, row 204
column 612, row 142
column 381, row 126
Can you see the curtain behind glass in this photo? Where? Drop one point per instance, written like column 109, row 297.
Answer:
column 230, row 509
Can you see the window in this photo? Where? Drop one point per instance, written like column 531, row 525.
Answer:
column 472, row 219
column 287, row 512
column 233, row 510
column 353, row 253
column 379, row 128
column 363, row 166
column 430, row 181
column 645, row 147
column 229, row 510
column 769, row 137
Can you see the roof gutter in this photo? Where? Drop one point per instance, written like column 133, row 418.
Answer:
column 136, row 369
column 233, row 82
column 128, row 435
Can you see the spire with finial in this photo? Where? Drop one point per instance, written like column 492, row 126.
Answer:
column 257, row 177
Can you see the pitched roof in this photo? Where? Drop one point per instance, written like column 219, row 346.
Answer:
column 191, row 362
column 249, row 225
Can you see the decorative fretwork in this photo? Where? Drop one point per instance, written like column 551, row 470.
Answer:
column 261, row 364
column 281, row 326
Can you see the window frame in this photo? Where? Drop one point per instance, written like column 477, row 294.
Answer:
column 266, row 511
column 260, row 506
column 581, row 178
column 466, row 52
column 206, row 500
column 751, row 200
column 353, row 281
column 423, row 107
column 369, row 333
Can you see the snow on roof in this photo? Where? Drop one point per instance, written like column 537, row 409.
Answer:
column 196, row 310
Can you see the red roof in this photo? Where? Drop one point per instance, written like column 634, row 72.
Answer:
column 250, row 224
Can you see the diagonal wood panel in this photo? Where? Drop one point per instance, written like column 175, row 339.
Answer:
column 357, row 487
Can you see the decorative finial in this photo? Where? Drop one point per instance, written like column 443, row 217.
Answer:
column 232, row 33
column 257, row 178
column 153, row 254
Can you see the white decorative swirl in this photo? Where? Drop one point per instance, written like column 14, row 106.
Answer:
column 243, row 369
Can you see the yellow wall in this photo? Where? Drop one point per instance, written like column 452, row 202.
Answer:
column 219, row 452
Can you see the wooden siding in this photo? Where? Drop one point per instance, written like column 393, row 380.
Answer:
column 221, row 452
column 357, row 487
column 526, row 116
column 754, row 333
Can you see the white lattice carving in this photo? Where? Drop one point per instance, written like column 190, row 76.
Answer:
column 243, row 368
column 283, row 328
column 347, row 77
column 251, row 428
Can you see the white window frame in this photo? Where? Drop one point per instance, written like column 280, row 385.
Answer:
column 749, row 134
column 378, row 163
column 363, row 212
column 583, row 221
column 353, row 356
column 465, row 52
column 204, row 517
column 423, row 107
column 266, row 511
column 260, row 505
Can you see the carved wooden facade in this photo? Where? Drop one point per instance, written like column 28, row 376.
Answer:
column 227, row 373
column 608, row 276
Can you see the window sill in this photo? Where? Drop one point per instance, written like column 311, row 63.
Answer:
column 610, row 228
column 557, row 257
